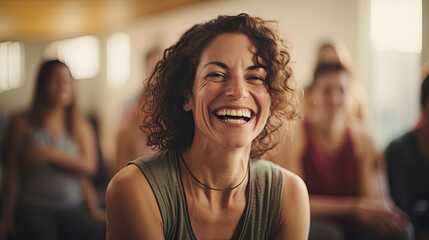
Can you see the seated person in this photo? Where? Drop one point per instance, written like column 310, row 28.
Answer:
column 209, row 110
column 407, row 161
column 335, row 157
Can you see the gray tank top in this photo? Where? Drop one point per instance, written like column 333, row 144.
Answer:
column 260, row 219
column 50, row 186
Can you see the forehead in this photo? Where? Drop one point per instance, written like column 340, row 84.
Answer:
column 60, row 69
column 227, row 46
column 333, row 77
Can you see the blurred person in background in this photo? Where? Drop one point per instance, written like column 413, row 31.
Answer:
column 356, row 102
column 407, row 162
column 50, row 159
column 209, row 107
column 334, row 155
column 131, row 142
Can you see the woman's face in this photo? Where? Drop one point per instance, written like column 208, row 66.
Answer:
column 329, row 92
column 60, row 86
column 229, row 101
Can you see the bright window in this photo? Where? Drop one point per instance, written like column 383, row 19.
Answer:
column 396, row 37
column 10, row 65
column 80, row 54
column 118, row 59
column 396, row 26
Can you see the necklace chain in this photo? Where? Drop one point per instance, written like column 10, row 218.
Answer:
column 196, row 210
column 212, row 188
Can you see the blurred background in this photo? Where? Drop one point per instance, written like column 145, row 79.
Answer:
column 104, row 42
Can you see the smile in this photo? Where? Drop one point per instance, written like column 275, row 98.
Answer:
column 236, row 116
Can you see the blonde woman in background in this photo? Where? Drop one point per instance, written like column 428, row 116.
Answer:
column 334, row 155
column 357, row 106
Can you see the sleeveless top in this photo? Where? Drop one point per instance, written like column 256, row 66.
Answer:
column 330, row 173
column 260, row 219
column 50, row 186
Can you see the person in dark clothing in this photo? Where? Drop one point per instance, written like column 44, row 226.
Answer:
column 407, row 162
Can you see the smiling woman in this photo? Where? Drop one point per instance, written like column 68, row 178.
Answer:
column 212, row 106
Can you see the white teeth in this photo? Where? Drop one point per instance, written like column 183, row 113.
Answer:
column 236, row 121
column 234, row 112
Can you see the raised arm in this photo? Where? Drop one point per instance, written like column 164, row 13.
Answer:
column 86, row 162
column 132, row 210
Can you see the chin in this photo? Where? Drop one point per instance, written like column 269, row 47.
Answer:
column 237, row 143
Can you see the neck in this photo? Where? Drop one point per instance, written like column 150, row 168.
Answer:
column 217, row 168
column 329, row 127
column 423, row 137
column 55, row 121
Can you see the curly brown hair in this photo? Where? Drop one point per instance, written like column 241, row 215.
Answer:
column 166, row 123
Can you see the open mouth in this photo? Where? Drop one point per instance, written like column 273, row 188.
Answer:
column 237, row 116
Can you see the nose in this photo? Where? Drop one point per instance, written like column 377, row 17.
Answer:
column 237, row 87
column 337, row 98
column 64, row 83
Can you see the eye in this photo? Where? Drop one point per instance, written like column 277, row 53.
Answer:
column 215, row 77
column 255, row 79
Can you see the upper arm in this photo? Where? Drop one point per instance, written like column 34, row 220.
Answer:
column 367, row 163
column 294, row 209
column 16, row 135
column 88, row 144
column 15, row 140
column 397, row 175
column 132, row 210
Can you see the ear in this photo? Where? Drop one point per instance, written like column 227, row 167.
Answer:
column 187, row 104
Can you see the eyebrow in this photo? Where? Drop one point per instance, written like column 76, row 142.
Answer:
column 223, row 65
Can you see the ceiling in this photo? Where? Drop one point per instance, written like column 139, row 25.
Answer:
column 29, row 20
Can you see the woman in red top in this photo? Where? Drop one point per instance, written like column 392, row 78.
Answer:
column 335, row 157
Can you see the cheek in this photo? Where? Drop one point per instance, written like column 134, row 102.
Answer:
column 316, row 95
column 52, row 91
column 206, row 93
column 263, row 99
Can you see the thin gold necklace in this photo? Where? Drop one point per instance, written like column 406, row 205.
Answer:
column 212, row 188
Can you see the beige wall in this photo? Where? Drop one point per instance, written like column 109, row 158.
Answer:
column 425, row 49
column 303, row 23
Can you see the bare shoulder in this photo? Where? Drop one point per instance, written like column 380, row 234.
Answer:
column 19, row 127
column 127, row 186
column 85, row 127
column 295, row 208
column 293, row 186
column 132, row 210
column 126, row 179
column 19, row 120
column 361, row 138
